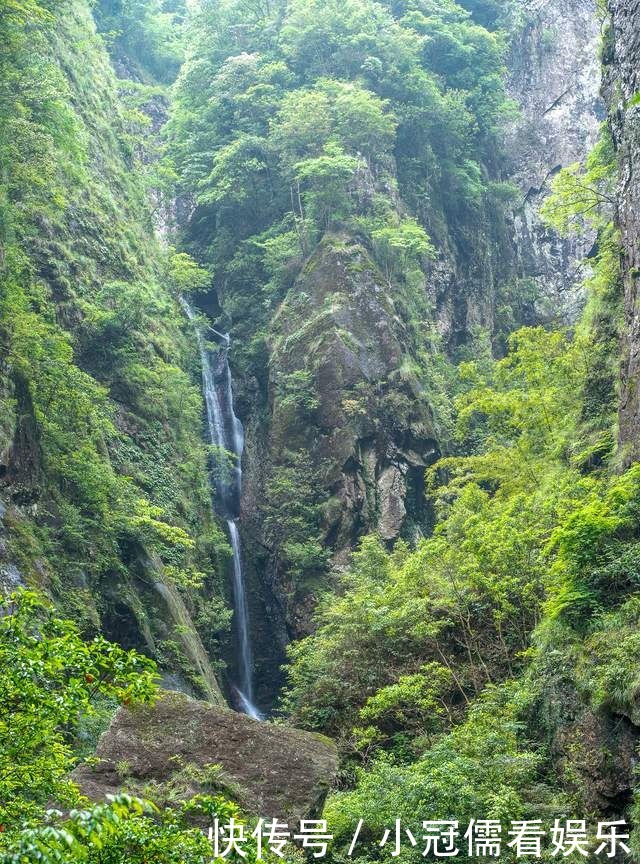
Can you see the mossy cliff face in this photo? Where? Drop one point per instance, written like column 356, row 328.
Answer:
column 337, row 443
column 103, row 474
column 350, row 403
column 622, row 83
column 364, row 420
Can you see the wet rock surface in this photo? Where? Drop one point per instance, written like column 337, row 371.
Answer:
column 341, row 324
column 599, row 758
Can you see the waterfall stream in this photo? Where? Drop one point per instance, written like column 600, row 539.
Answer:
column 226, row 435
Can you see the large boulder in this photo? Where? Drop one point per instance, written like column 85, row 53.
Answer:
column 273, row 771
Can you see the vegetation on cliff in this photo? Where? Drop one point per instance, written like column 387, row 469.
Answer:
column 336, row 159
column 493, row 643
column 476, row 656
column 103, row 466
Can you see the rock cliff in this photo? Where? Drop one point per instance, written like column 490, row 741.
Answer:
column 345, row 344
column 554, row 77
column 622, row 83
column 93, row 457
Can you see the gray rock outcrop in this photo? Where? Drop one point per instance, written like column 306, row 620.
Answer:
column 555, row 79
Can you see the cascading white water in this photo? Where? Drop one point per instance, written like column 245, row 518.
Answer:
column 227, row 437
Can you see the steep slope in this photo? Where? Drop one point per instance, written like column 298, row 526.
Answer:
column 367, row 195
column 622, row 56
column 554, row 76
column 103, row 473
column 508, row 637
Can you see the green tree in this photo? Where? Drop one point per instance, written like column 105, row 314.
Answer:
column 51, row 678
column 583, row 193
column 147, row 31
column 186, row 275
column 126, row 830
column 402, row 245
column 326, row 181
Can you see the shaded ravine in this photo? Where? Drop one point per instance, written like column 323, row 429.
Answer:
column 226, row 435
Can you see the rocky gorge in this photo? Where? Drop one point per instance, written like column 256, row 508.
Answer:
column 319, row 393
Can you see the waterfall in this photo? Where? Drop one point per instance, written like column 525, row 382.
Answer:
column 226, row 435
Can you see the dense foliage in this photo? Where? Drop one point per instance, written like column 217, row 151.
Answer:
column 50, row 678
column 53, row 684
column 292, row 119
column 143, row 34
column 103, row 462
column 494, row 641
column 483, row 672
